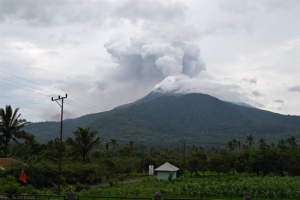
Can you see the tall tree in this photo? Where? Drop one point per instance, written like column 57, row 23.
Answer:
column 10, row 127
column 106, row 148
column 292, row 142
column 84, row 141
column 114, row 143
column 230, row 146
column 281, row 144
column 262, row 143
column 250, row 140
column 131, row 143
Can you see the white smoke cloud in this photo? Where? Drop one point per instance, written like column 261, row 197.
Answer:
column 182, row 84
column 156, row 60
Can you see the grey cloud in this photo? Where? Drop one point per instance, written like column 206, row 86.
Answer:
column 54, row 12
column 101, row 85
column 279, row 101
column 150, row 10
column 225, row 28
column 240, row 7
column 259, row 105
column 257, row 93
column 53, row 113
column 164, row 19
column 76, row 81
column 251, row 80
column 295, row 88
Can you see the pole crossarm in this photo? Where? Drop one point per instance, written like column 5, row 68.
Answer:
column 59, row 98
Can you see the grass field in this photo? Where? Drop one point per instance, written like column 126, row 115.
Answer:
column 210, row 187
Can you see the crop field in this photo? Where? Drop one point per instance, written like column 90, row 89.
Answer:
column 258, row 187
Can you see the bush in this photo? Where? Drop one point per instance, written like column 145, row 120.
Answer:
column 45, row 173
column 10, row 185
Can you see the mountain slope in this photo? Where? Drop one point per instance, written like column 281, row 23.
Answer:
column 198, row 117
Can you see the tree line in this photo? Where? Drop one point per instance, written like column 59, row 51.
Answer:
column 87, row 160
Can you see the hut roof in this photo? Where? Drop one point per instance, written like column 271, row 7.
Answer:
column 167, row 167
column 6, row 162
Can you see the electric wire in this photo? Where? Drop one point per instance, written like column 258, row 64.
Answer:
column 20, row 83
column 56, row 89
column 49, row 96
column 43, row 91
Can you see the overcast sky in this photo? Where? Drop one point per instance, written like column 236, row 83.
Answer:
column 107, row 53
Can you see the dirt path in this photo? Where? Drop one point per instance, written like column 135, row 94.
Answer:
column 106, row 184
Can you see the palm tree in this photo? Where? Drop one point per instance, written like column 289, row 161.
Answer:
column 230, row 146
column 10, row 127
column 106, row 148
column 84, row 141
column 292, row 142
column 250, row 140
column 262, row 143
column 113, row 143
column 281, row 144
column 131, row 143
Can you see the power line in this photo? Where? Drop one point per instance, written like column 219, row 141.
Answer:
column 48, row 96
column 21, row 84
column 43, row 91
column 81, row 105
column 24, row 88
column 52, row 89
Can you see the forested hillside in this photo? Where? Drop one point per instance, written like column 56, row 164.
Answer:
column 196, row 117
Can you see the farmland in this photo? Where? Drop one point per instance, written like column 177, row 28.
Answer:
column 259, row 188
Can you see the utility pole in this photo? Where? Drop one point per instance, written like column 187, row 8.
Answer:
column 183, row 141
column 60, row 136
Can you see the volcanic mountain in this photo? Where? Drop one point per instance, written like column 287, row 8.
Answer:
column 159, row 118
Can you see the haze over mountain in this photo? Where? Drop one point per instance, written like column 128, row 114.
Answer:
column 200, row 118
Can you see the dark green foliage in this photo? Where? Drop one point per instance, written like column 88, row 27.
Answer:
column 84, row 142
column 10, row 185
column 45, row 173
column 10, row 128
column 166, row 119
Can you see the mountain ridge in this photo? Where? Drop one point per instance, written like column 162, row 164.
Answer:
column 165, row 119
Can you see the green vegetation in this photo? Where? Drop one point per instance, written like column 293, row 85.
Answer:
column 84, row 142
column 10, row 127
column 197, row 117
column 256, row 167
column 258, row 187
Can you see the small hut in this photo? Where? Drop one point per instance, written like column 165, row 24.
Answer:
column 5, row 163
column 164, row 170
